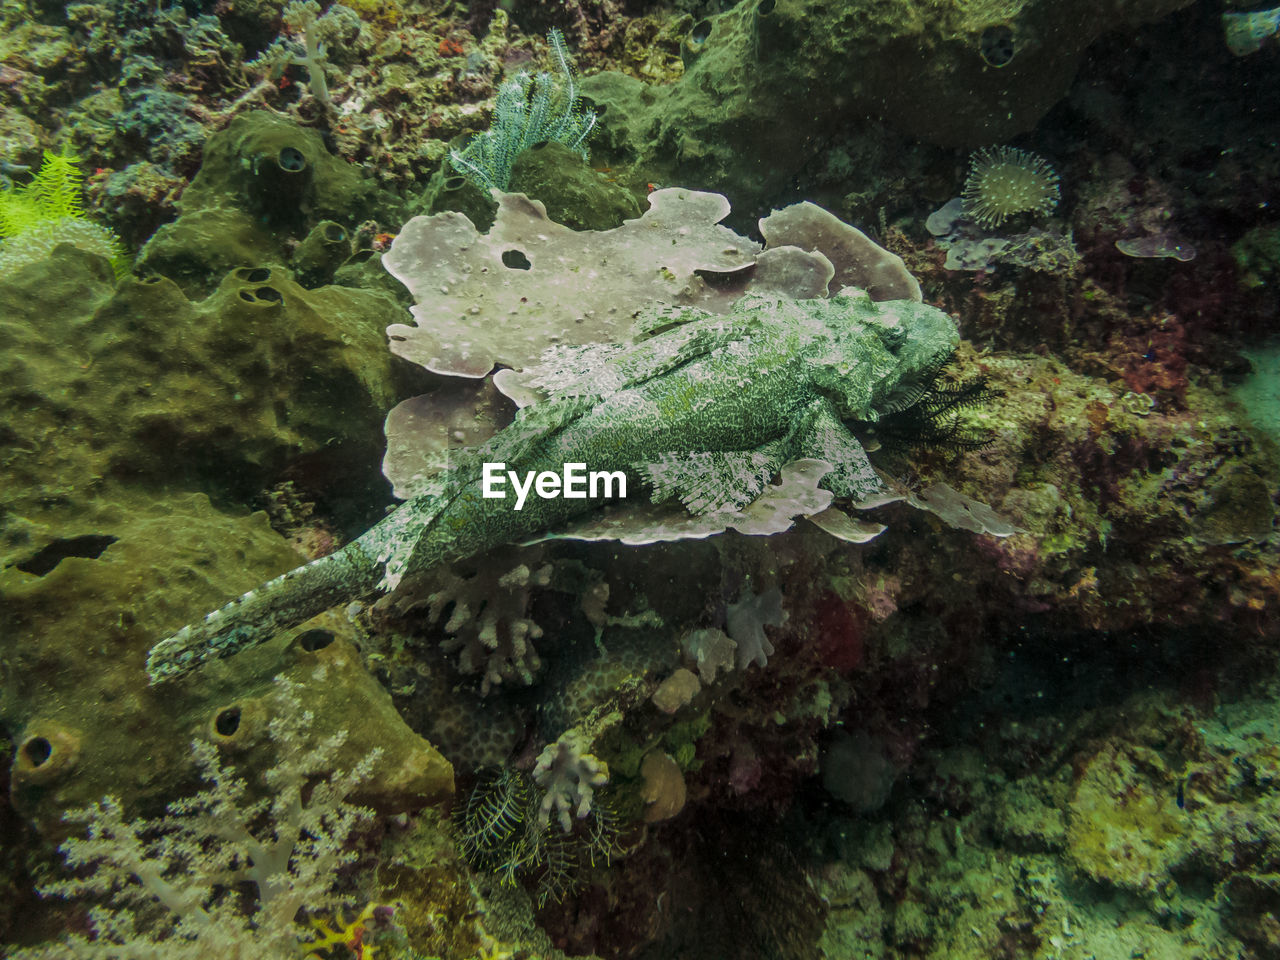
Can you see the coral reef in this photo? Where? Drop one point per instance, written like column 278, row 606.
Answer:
column 1018, row 700
column 264, row 188
column 744, row 110
column 677, row 252
column 697, row 375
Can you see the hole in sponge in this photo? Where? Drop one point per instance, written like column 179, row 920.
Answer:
column 88, row 547
column 996, row 45
column 291, row 160
column 314, row 640
column 227, row 722
column 515, row 260
column 37, row 751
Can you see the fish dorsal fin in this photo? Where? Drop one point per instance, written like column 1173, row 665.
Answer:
column 533, row 425
column 597, row 371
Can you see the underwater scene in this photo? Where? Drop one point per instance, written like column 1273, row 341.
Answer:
column 640, row 479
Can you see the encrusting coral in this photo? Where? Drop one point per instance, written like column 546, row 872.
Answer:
column 664, row 791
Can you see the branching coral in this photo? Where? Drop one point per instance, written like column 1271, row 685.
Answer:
column 482, row 608
column 304, row 21
column 486, row 625
column 569, row 776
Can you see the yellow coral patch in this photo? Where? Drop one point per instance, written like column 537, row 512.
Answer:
column 337, row 933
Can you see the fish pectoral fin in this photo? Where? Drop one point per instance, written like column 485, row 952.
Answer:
column 824, row 437
column 713, row 482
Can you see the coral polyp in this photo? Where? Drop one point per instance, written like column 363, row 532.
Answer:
column 1004, row 182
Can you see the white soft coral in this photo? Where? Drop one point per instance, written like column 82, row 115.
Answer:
column 192, row 859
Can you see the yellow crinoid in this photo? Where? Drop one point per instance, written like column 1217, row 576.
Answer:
column 52, row 194
column 339, row 933
column 37, row 216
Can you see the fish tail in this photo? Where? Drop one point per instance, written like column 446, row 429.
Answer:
column 260, row 614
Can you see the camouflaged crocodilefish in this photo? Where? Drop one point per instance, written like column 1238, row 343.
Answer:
column 706, row 408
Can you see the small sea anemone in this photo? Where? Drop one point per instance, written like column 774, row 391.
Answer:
column 1005, row 181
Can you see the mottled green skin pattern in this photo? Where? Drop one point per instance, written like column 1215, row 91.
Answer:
column 706, row 410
